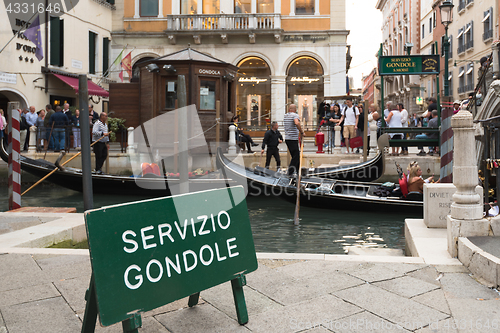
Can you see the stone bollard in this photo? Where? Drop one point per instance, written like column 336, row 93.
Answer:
column 130, row 141
column 232, row 139
column 373, row 136
column 466, row 218
column 32, row 143
column 338, row 140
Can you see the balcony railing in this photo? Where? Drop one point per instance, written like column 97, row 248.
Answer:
column 206, row 22
column 466, row 88
column 469, row 44
column 488, row 34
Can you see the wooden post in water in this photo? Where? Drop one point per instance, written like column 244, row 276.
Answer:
column 83, row 98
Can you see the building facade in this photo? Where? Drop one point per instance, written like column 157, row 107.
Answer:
column 369, row 90
column 287, row 51
column 78, row 42
column 401, row 35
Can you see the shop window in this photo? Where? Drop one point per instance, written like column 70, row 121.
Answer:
column 149, row 7
column 243, row 6
column 265, row 6
column 170, row 94
column 207, row 94
column 304, row 7
column 253, row 92
column 305, row 89
column 56, row 41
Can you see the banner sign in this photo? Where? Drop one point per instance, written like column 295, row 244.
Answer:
column 149, row 253
column 414, row 64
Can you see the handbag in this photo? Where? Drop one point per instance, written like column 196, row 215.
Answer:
column 356, row 142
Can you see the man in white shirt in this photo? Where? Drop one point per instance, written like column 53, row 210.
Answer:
column 350, row 116
column 404, row 123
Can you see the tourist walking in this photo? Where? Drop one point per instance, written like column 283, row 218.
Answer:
column 333, row 119
column 272, row 139
column 60, row 121
column 292, row 130
column 49, row 139
column 76, row 129
column 394, row 120
column 40, row 129
column 99, row 130
column 404, row 123
column 350, row 117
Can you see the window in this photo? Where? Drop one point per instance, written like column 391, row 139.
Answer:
column 149, row 7
column 430, row 24
column 434, row 19
column 188, row 7
column 488, row 24
column 265, row 6
column 56, row 41
column 207, row 94
column 92, row 52
column 461, row 80
column 450, row 53
column 450, row 83
column 469, row 77
column 304, row 7
column 211, row 7
column 170, row 94
column 461, row 5
column 469, row 36
column 423, row 31
column 105, row 56
column 461, row 41
column 243, row 6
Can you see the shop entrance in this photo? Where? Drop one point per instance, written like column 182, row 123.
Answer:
column 7, row 96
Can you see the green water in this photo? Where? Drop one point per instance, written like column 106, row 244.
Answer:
column 320, row 230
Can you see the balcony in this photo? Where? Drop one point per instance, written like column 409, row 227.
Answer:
column 466, row 88
column 488, row 35
column 208, row 22
column 469, row 44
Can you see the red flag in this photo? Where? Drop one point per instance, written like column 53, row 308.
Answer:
column 127, row 65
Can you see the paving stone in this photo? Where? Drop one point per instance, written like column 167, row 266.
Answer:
column 460, row 285
column 28, row 294
column 291, row 284
column 201, row 318
column 73, row 291
column 396, row 309
column 149, row 325
column 372, row 272
column 21, row 278
column 51, row 315
column 271, row 263
column 221, row 297
column 428, row 274
column 65, row 267
column 176, row 305
column 406, row 286
column 443, row 326
column 15, row 263
column 364, row 322
column 451, row 269
column 306, row 315
column 471, row 316
column 320, row 329
column 434, row 299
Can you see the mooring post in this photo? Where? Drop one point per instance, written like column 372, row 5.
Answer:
column 338, row 143
column 14, row 155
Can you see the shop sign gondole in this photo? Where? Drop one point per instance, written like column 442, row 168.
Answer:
column 251, row 80
column 304, row 79
column 209, row 71
column 394, row 65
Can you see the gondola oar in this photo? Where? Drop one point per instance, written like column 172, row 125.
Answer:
column 58, row 167
column 297, row 203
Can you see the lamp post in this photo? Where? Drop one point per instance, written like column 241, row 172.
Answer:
column 446, row 10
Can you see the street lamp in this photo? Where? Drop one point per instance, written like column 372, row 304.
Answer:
column 446, row 10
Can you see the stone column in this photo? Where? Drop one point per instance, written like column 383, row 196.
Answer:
column 495, row 47
column 278, row 99
column 232, row 139
column 32, row 143
column 130, row 140
column 373, row 136
column 338, row 142
column 466, row 218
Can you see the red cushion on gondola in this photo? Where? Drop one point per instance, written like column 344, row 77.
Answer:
column 146, row 168
column 155, row 169
column 403, row 185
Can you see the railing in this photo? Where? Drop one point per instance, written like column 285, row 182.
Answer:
column 469, row 44
column 207, row 22
column 488, row 34
column 412, row 142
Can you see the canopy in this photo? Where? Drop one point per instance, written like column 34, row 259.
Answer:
column 93, row 88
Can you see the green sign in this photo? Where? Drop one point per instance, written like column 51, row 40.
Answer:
column 149, row 253
column 414, row 64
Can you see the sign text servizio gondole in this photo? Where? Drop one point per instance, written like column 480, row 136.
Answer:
column 150, row 253
column 394, row 65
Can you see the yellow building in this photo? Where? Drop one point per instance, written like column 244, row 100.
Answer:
column 288, row 51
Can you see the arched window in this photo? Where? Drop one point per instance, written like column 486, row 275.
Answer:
column 305, row 88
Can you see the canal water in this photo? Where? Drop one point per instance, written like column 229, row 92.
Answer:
column 320, row 230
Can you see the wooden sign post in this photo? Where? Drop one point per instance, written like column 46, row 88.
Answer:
column 149, row 253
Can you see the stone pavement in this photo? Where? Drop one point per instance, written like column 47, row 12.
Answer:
column 45, row 293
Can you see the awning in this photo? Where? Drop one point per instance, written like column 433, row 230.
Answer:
column 468, row 29
column 469, row 70
column 461, row 73
column 450, row 77
column 93, row 88
column 486, row 17
column 460, row 34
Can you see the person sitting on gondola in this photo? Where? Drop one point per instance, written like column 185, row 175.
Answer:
column 242, row 137
column 415, row 181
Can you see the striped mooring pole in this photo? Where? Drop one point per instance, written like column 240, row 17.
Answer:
column 14, row 156
column 446, row 148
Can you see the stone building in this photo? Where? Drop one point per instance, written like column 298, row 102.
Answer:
column 77, row 42
column 287, row 51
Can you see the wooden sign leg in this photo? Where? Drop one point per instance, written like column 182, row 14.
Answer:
column 90, row 317
column 132, row 324
column 193, row 299
column 239, row 298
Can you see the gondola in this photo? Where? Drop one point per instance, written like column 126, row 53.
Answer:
column 148, row 186
column 320, row 192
